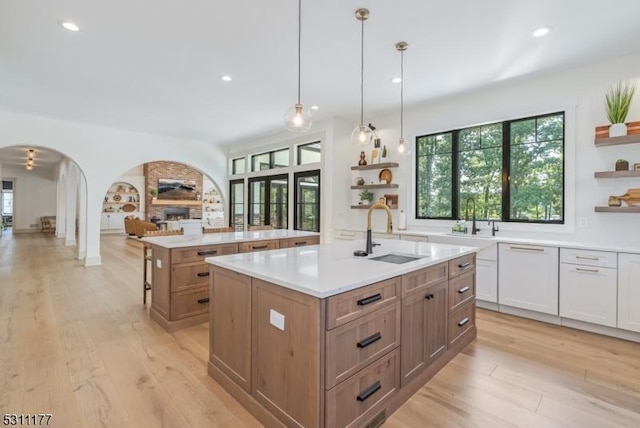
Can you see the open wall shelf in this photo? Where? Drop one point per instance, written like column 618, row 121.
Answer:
column 375, row 166
column 614, row 141
column 617, row 209
column 616, row 174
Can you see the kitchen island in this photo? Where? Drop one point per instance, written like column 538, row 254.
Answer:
column 180, row 276
column 318, row 337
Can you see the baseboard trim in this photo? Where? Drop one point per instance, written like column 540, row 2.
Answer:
column 93, row 261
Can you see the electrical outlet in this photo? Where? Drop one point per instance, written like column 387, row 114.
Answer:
column 276, row 319
column 583, row 222
column 159, row 263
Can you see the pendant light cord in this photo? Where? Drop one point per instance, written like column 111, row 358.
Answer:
column 362, row 75
column 299, row 42
column 402, row 94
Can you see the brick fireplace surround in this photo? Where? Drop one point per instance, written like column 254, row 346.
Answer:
column 155, row 170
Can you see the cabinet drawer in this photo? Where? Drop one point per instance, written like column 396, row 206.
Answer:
column 248, row 247
column 461, row 290
column 423, row 278
column 461, row 321
column 299, row 242
column 197, row 254
column 357, row 399
column 461, row 265
column 348, row 306
column 185, row 304
column 589, row 257
column 189, row 275
column 352, row 346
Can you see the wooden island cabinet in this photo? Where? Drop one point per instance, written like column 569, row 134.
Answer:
column 180, row 276
column 297, row 356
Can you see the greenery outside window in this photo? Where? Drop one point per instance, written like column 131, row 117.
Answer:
column 307, row 201
column 268, row 201
column 236, row 204
column 512, row 170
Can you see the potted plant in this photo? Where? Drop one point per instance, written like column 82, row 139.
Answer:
column 622, row 165
column 153, row 192
column 617, row 102
column 366, row 197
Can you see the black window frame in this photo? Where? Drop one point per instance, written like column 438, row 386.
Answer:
column 233, row 203
column 506, row 163
column 233, row 165
column 267, row 203
column 310, row 173
column 300, row 147
column 272, row 159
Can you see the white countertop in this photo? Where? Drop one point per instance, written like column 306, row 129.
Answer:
column 181, row 241
column 327, row 270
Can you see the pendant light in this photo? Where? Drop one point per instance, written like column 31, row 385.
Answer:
column 297, row 119
column 362, row 134
column 403, row 148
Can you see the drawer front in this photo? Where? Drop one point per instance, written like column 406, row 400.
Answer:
column 248, row 247
column 461, row 265
column 299, row 242
column 189, row 275
column 589, row 258
column 354, row 304
column 358, row 398
column 424, row 278
column 185, row 304
column 198, row 254
column 461, row 321
column 354, row 345
column 461, row 290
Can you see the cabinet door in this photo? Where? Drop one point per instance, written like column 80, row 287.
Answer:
column 588, row 293
column 528, row 277
column 628, row 291
column 487, row 280
column 424, row 329
column 104, row 220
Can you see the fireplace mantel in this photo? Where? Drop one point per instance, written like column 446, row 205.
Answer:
column 174, row 203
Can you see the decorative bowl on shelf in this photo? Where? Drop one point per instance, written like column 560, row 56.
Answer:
column 385, row 176
column 128, row 208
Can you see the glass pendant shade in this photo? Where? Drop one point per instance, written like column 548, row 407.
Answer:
column 297, row 119
column 403, row 147
column 362, row 135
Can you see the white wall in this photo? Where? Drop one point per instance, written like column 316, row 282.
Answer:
column 33, row 196
column 104, row 154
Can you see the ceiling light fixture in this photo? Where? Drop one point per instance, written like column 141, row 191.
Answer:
column 396, row 80
column 362, row 134
column 314, row 107
column 226, row 78
column 403, row 148
column 68, row 25
column 541, row 32
column 297, row 119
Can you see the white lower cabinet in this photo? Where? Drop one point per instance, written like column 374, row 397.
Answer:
column 487, row 274
column 528, row 277
column 112, row 221
column 588, row 291
column 629, row 291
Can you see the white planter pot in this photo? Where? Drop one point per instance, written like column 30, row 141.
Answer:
column 618, row 130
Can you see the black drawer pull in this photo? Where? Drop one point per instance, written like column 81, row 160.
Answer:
column 259, row 247
column 463, row 321
column 369, row 340
column 370, row 299
column 369, row 391
column 208, row 253
column 429, row 296
column 464, row 265
column 203, row 273
column 205, row 300
column 463, row 289
column 300, row 243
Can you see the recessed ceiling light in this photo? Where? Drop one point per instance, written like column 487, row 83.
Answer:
column 396, row 80
column 68, row 25
column 226, row 78
column 314, row 107
column 541, row 32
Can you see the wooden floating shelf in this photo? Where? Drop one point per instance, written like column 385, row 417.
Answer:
column 169, row 202
column 375, row 166
column 366, row 207
column 616, row 174
column 617, row 209
column 614, row 141
column 376, row 186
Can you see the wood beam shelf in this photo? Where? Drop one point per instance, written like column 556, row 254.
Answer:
column 376, row 186
column 375, row 166
column 617, row 209
column 174, row 203
column 614, row 141
column 616, row 174
column 366, row 207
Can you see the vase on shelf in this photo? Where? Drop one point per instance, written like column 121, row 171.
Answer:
column 363, row 159
column 618, row 130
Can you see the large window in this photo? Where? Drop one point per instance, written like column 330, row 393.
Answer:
column 236, row 205
column 510, row 171
column 270, row 160
column 307, row 201
column 238, row 166
column 309, row 153
column 268, row 201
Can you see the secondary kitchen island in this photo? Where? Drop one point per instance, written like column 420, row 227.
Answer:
column 316, row 337
column 180, row 276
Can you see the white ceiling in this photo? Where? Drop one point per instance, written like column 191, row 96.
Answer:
column 155, row 65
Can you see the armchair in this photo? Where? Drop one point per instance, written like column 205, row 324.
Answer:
column 142, row 226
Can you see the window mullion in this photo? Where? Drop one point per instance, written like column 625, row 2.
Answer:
column 455, row 175
column 506, row 170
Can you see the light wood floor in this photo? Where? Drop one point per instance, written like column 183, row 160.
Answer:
column 78, row 343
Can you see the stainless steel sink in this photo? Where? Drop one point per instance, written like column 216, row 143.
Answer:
column 395, row 258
